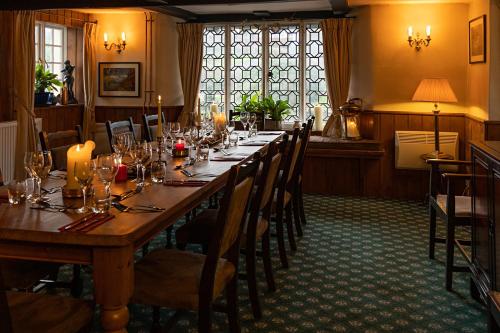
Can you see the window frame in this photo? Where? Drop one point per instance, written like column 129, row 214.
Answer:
column 303, row 112
column 40, row 46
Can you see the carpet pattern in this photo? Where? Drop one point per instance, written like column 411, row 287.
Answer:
column 361, row 266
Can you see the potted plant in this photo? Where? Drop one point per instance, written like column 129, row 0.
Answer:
column 45, row 83
column 249, row 104
column 275, row 111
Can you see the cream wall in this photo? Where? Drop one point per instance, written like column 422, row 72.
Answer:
column 165, row 76
column 386, row 71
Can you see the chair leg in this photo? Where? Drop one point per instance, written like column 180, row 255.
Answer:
column 252, row 280
column 450, row 247
column 300, row 200
column 289, row 227
column 266, row 258
column 76, row 282
column 296, row 215
column 280, row 235
column 205, row 319
column 232, row 305
column 155, row 326
column 432, row 233
column 169, row 237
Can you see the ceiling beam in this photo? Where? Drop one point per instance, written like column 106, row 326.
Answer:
column 218, row 2
column 65, row 4
column 339, row 6
column 276, row 16
column 176, row 12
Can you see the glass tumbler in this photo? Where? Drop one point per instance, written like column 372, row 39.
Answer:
column 16, row 190
column 158, row 170
column 101, row 198
column 203, row 151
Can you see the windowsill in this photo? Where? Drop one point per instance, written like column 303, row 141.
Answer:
column 57, row 106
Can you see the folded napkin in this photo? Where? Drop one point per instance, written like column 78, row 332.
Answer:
column 226, row 158
column 87, row 223
column 254, row 143
column 187, row 183
column 269, row 133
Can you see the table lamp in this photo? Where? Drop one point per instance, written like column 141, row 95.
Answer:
column 435, row 91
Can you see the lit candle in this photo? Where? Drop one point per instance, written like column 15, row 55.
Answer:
column 352, row 129
column 318, row 115
column 428, row 30
column 219, row 122
column 159, row 128
column 122, row 174
column 106, row 38
column 410, row 31
column 123, row 37
column 179, row 146
column 77, row 153
column 198, row 116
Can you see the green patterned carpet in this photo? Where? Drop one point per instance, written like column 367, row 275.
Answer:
column 361, row 266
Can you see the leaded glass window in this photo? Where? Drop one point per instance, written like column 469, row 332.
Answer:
column 246, row 62
column 284, row 67
column 212, row 73
column 315, row 86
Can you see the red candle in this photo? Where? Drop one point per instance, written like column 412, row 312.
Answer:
column 179, row 145
column 121, row 175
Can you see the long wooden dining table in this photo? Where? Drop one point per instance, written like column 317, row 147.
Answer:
column 32, row 234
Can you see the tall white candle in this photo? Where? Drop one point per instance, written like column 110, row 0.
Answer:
column 318, row 115
column 77, row 153
column 214, row 109
column 159, row 128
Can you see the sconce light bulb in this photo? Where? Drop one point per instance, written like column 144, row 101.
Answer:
column 410, row 31
column 123, row 37
column 428, row 30
column 105, row 38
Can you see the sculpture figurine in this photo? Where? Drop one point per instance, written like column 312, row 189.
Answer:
column 68, row 80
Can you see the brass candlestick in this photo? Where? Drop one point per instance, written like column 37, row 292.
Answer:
column 159, row 139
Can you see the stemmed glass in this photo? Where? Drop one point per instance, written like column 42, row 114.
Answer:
column 107, row 167
column 141, row 153
column 38, row 165
column 244, row 120
column 252, row 118
column 84, row 174
column 121, row 143
column 175, row 128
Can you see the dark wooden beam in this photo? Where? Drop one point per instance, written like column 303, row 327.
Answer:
column 65, row 4
column 218, row 2
column 339, row 6
column 175, row 11
column 213, row 18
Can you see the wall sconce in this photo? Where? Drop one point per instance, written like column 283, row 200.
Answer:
column 119, row 46
column 418, row 42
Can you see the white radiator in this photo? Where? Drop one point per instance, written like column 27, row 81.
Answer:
column 8, row 132
column 411, row 145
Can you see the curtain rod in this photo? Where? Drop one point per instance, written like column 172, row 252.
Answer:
column 70, row 18
column 263, row 22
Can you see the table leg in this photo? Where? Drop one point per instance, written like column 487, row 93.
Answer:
column 113, row 283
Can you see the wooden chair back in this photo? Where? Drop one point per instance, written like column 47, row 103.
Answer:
column 123, row 126
column 305, row 135
column 150, row 130
column 58, row 144
column 230, row 220
column 288, row 163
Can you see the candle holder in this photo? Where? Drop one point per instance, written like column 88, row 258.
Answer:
column 180, row 152
column 159, row 139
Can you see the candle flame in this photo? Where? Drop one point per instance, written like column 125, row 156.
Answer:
column 77, row 147
column 159, row 98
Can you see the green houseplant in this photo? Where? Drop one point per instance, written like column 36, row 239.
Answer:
column 249, row 104
column 45, row 83
column 275, row 111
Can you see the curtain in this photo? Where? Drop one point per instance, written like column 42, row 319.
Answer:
column 24, row 86
column 89, row 78
column 337, row 55
column 190, row 60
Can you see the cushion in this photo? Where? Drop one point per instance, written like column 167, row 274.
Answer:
column 171, row 278
column 46, row 313
column 463, row 205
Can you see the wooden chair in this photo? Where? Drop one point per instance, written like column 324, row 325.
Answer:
column 58, row 143
column 150, row 130
column 36, row 313
column 299, row 215
column 454, row 210
column 123, row 126
column 183, row 280
column 201, row 228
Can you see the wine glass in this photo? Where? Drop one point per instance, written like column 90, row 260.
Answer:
column 121, row 143
column 140, row 153
column 230, row 126
column 252, row 118
column 107, row 167
column 244, row 120
column 36, row 165
column 47, row 165
column 84, row 174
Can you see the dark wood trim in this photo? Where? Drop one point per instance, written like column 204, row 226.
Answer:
column 339, row 6
column 64, row 4
column 492, row 130
column 175, row 12
column 214, row 18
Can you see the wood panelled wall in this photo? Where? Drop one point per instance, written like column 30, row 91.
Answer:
column 380, row 177
column 116, row 113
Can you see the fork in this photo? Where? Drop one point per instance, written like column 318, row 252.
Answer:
column 123, row 208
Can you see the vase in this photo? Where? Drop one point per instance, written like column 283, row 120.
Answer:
column 41, row 98
column 273, row 125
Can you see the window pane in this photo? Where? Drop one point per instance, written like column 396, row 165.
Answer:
column 37, row 32
column 246, row 62
column 48, row 53
column 316, row 92
column 284, row 67
column 212, row 71
column 58, row 54
column 48, row 35
column 58, row 33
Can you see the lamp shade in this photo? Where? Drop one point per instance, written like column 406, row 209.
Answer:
column 434, row 90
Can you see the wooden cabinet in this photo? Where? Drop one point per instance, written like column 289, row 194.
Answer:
column 485, row 265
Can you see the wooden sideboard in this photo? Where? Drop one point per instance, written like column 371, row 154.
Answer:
column 486, row 223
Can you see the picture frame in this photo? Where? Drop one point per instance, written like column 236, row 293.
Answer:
column 119, row 79
column 477, row 40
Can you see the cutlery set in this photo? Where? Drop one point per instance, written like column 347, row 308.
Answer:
column 87, row 223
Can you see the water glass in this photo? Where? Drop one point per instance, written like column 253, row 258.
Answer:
column 32, row 188
column 203, row 151
column 16, row 191
column 233, row 139
column 101, row 198
column 158, row 171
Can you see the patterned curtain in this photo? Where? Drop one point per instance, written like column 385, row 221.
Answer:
column 24, row 86
column 337, row 52
column 190, row 61
column 89, row 78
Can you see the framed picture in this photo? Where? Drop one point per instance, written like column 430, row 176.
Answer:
column 477, row 40
column 119, row 79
